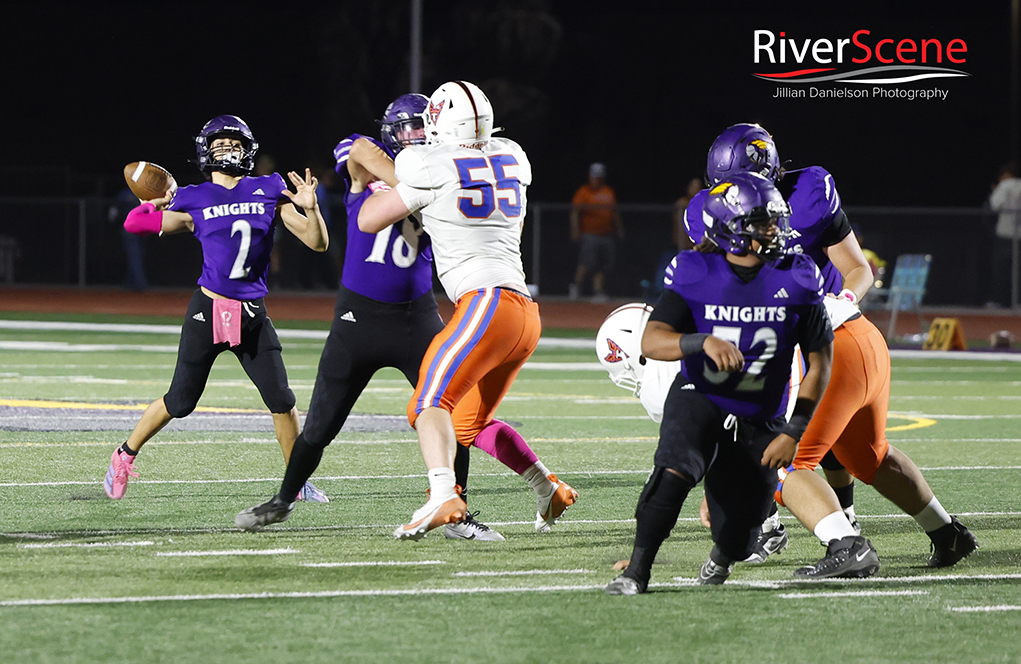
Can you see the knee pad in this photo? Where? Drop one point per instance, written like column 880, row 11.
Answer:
column 282, row 402
column 781, row 475
column 177, row 409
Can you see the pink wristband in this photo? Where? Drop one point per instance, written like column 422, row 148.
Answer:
column 378, row 185
column 144, row 220
column 848, row 294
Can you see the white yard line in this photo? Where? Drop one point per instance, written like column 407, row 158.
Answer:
column 377, row 563
column 680, row 582
column 229, row 552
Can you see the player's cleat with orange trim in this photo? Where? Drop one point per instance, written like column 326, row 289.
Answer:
column 310, row 494
column 433, row 514
column 470, row 529
column 951, row 543
column 551, row 507
column 122, row 465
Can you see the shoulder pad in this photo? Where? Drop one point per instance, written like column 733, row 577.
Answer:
column 694, row 223
column 687, row 267
column 410, row 167
column 812, row 195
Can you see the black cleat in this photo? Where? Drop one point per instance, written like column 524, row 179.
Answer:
column 951, row 543
column 625, row 585
column 256, row 518
column 770, row 542
column 712, row 573
column 847, row 557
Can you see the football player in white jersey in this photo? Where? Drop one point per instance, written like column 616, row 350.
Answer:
column 470, row 191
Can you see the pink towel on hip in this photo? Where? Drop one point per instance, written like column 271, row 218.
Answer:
column 227, row 322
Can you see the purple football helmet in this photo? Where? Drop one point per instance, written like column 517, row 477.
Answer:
column 406, row 113
column 231, row 162
column 747, row 207
column 742, row 148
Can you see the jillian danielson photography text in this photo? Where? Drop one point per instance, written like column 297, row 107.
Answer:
column 876, row 92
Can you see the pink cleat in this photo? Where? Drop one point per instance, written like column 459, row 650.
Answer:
column 122, row 464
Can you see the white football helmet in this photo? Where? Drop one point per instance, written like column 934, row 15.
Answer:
column 619, row 345
column 459, row 113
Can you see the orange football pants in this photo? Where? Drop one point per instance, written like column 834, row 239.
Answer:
column 851, row 417
column 492, row 333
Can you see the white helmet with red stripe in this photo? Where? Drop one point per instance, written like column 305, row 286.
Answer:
column 619, row 345
column 459, row 113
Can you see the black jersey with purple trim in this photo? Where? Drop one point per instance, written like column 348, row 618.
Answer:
column 235, row 228
column 816, row 219
column 765, row 318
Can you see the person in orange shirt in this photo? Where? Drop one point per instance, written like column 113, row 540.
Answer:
column 595, row 226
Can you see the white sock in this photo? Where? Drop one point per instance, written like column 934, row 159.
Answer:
column 771, row 523
column 833, row 526
column 537, row 476
column 441, row 484
column 849, row 513
column 932, row 517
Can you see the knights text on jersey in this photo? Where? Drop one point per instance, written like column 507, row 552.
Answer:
column 815, row 207
column 765, row 318
column 235, row 229
column 476, row 217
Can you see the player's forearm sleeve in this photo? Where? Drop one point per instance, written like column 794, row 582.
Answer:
column 144, row 220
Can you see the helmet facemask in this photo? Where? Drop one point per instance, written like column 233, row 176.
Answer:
column 403, row 123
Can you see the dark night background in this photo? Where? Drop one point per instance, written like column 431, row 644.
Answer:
column 643, row 87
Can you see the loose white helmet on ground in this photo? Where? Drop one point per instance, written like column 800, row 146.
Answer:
column 459, row 113
column 619, row 344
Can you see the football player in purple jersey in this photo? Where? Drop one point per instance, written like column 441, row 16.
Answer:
column 386, row 316
column 820, row 229
column 233, row 217
column 732, row 310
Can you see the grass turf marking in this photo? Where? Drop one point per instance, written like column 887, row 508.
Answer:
column 377, row 563
column 230, row 552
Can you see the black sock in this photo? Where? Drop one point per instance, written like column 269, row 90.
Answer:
column 657, row 511
column 304, row 461
column 127, row 450
column 845, row 495
column 721, row 558
column 462, row 460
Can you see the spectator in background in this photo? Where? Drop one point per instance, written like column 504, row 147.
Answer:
column 134, row 246
column 651, row 288
column 596, row 227
column 680, row 233
column 1006, row 199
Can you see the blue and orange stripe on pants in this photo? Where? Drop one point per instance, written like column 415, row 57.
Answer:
column 492, row 333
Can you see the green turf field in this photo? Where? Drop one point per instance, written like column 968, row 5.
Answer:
column 163, row 576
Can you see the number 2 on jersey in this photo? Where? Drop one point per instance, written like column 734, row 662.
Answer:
column 239, row 271
column 486, row 175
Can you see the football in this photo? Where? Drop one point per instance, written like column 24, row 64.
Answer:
column 149, row 181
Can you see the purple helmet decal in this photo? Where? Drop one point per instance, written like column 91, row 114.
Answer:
column 230, row 162
column 747, row 207
column 403, row 115
column 742, row 148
